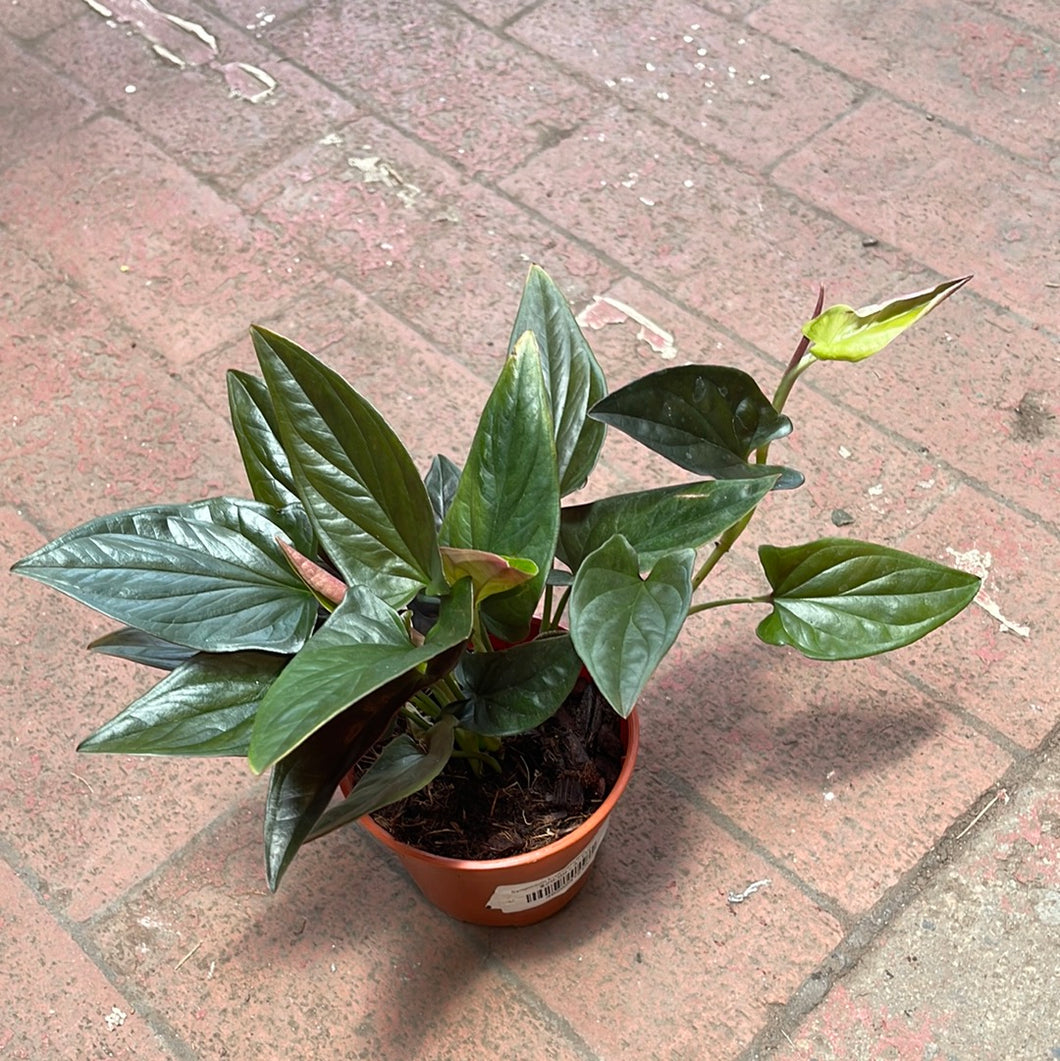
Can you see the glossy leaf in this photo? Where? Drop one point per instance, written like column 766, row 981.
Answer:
column 622, row 625
column 257, row 433
column 838, row 598
column 404, row 766
column 355, row 478
column 138, row 647
column 303, row 782
column 518, row 688
column 205, row 707
column 208, row 575
column 573, row 377
column 507, row 501
column 707, row 419
column 362, row 647
column 656, row 522
column 441, row 481
column 842, row 333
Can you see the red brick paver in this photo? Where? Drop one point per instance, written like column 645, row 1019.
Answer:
column 689, row 173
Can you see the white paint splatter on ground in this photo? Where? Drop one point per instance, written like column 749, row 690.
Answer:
column 978, row 563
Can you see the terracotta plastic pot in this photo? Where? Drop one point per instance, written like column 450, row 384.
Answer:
column 522, row 889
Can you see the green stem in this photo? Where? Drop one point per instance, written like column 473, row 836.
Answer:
column 562, row 605
column 706, row 605
column 800, row 361
column 479, row 757
column 478, row 636
column 546, row 609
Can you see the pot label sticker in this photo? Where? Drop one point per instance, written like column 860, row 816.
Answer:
column 510, row 898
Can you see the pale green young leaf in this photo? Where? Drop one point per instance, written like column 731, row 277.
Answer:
column 842, row 333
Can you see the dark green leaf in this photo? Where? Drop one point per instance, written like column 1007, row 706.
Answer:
column 656, row 522
column 363, row 647
column 518, row 688
column 208, row 575
column 403, row 767
column 304, row 781
column 257, row 432
column 205, row 707
column 573, row 378
column 441, row 482
column 707, row 419
column 507, row 501
column 138, row 647
column 841, row 333
column 622, row 625
column 355, row 478
column 838, row 598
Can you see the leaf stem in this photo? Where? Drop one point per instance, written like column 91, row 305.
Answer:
column 800, row 361
column 706, row 605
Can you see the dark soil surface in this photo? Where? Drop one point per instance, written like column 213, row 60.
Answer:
column 552, row 779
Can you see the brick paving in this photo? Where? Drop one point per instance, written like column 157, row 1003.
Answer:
column 708, row 164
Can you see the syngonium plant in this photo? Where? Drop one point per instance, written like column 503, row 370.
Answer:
column 352, row 593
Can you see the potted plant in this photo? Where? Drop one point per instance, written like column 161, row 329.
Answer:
column 357, row 623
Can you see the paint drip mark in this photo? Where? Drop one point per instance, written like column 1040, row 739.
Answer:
column 186, row 45
column 978, row 563
column 604, row 310
column 248, row 82
column 374, row 170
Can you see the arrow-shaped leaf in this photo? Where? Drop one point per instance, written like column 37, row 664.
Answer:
column 357, row 481
column 441, row 481
column 507, row 501
column 622, row 625
column 842, row 333
column 304, row 781
column 138, row 647
column 656, row 522
column 573, row 378
column 707, row 419
column 362, row 647
column 204, row 707
column 208, row 575
column 257, row 433
column 518, row 688
column 838, row 598
column 403, row 767
column 489, row 573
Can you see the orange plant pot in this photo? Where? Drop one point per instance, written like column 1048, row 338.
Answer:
column 522, row 889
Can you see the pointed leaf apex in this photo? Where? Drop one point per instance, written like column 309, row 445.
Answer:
column 842, row 333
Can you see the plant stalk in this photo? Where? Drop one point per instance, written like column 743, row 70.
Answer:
column 800, row 361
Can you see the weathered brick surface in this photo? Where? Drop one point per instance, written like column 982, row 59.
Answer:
column 826, row 764
column 392, row 219
column 229, row 124
column 480, row 100
column 660, row 934
column 99, row 424
column 954, row 204
column 189, row 267
column 951, row 58
column 35, row 106
column 681, row 218
column 717, row 80
column 32, row 18
column 989, row 661
column 60, row 1004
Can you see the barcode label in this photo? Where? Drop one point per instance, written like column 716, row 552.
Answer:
column 510, row 898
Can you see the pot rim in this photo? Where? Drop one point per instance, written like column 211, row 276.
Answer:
column 582, row 833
